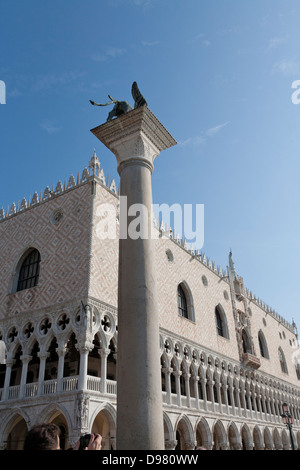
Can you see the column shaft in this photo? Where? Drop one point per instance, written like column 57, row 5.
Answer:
column 138, row 367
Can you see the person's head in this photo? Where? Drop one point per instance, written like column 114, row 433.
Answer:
column 43, row 437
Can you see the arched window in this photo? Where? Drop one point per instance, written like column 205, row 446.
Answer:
column 297, row 367
column 246, row 342
column 182, row 303
column 221, row 322
column 263, row 345
column 282, row 361
column 29, row 271
column 185, row 301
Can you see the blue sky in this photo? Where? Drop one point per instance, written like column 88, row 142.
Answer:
column 218, row 75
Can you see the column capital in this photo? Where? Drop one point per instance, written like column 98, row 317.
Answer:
column 84, row 347
column 43, row 354
column 61, row 350
column 104, row 352
column 10, row 362
column 26, row 358
column 136, row 137
column 177, row 373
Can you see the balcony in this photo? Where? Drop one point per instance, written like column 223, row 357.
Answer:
column 69, row 384
column 251, row 360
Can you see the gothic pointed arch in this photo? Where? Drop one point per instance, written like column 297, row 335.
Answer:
column 234, row 438
column 103, row 422
column 219, row 436
column 168, row 432
column 221, row 322
column 112, row 360
column 268, row 441
column 257, row 439
column 94, row 358
column 14, row 429
column 203, row 434
column 72, row 357
column 282, row 361
column 185, row 301
column 246, row 342
column 247, row 442
column 58, row 414
column 184, row 434
column 16, row 371
column 285, row 440
column 277, row 439
column 263, row 345
column 34, row 364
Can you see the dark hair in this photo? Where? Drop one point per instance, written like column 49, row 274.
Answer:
column 42, row 437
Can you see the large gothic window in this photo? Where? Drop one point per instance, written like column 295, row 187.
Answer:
column 246, row 342
column 221, row 322
column 297, row 367
column 29, row 271
column 185, row 301
column 263, row 345
column 182, row 303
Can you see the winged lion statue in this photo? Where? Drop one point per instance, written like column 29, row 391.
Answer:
column 122, row 107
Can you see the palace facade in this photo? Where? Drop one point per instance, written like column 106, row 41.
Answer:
column 228, row 360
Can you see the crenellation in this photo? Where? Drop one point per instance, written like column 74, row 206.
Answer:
column 59, row 187
column 47, row 193
column 71, row 182
column 101, row 176
column 12, row 209
column 85, row 175
column 35, row 199
column 113, row 186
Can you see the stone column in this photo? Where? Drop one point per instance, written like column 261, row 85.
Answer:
column 9, row 364
column 232, row 398
column 167, row 371
column 225, row 388
column 203, row 381
column 211, row 393
column 136, row 138
column 61, row 352
column 82, row 379
column 219, row 398
column 259, row 404
column 43, row 357
column 177, row 374
column 186, row 378
column 25, row 361
column 195, row 379
column 103, row 354
column 254, row 403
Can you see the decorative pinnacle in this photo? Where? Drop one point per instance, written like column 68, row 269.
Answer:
column 94, row 163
